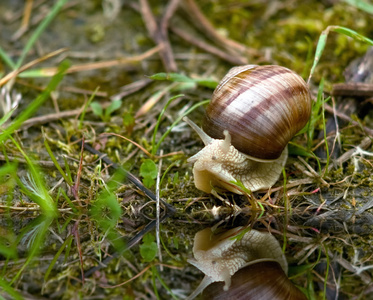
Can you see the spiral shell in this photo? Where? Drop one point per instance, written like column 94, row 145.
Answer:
column 264, row 280
column 250, row 267
column 262, row 107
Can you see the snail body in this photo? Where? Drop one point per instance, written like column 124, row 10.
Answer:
column 223, row 257
column 254, row 112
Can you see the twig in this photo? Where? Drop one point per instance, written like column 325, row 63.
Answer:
column 131, row 88
column 199, row 19
column 343, row 116
column 159, row 33
column 51, row 117
column 42, row 163
column 127, row 281
column 75, row 233
column 348, row 266
column 312, row 172
column 356, row 89
column 56, row 116
column 236, row 60
column 365, row 143
column 169, row 12
column 158, row 208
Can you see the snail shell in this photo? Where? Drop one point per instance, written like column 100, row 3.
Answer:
column 253, row 114
column 264, row 280
column 219, row 256
column 262, row 107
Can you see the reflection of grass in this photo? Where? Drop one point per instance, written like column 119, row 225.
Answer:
column 106, row 210
column 33, row 186
column 34, row 236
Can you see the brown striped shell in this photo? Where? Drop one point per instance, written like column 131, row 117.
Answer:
column 264, row 280
column 262, row 107
column 252, row 266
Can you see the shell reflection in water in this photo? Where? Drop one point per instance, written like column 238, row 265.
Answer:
column 260, row 281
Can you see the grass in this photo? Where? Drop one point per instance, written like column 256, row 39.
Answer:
column 73, row 212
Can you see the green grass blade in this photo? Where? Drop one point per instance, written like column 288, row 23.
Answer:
column 176, row 77
column 287, row 208
column 352, row 34
column 68, row 249
column 54, row 260
column 9, row 290
column 39, row 30
column 309, row 57
column 9, row 168
column 316, row 114
column 155, row 149
column 178, row 120
column 36, row 73
column 106, row 210
column 324, row 36
column 41, row 197
column 363, row 5
column 34, row 105
column 71, row 204
column 38, row 229
column 319, row 50
column 325, row 139
column 67, row 169
column 82, row 115
column 57, row 165
column 7, row 116
column 8, row 251
column 155, row 271
column 6, row 58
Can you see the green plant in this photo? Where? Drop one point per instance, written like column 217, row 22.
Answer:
column 148, row 248
column 105, row 113
column 148, row 170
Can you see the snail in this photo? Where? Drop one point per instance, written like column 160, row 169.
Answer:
column 240, row 266
column 254, row 112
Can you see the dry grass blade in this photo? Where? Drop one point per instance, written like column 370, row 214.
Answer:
column 14, row 73
column 106, row 64
column 127, row 281
column 51, row 117
column 128, row 140
column 25, row 20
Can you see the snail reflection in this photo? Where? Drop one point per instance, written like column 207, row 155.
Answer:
column 248, row 266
